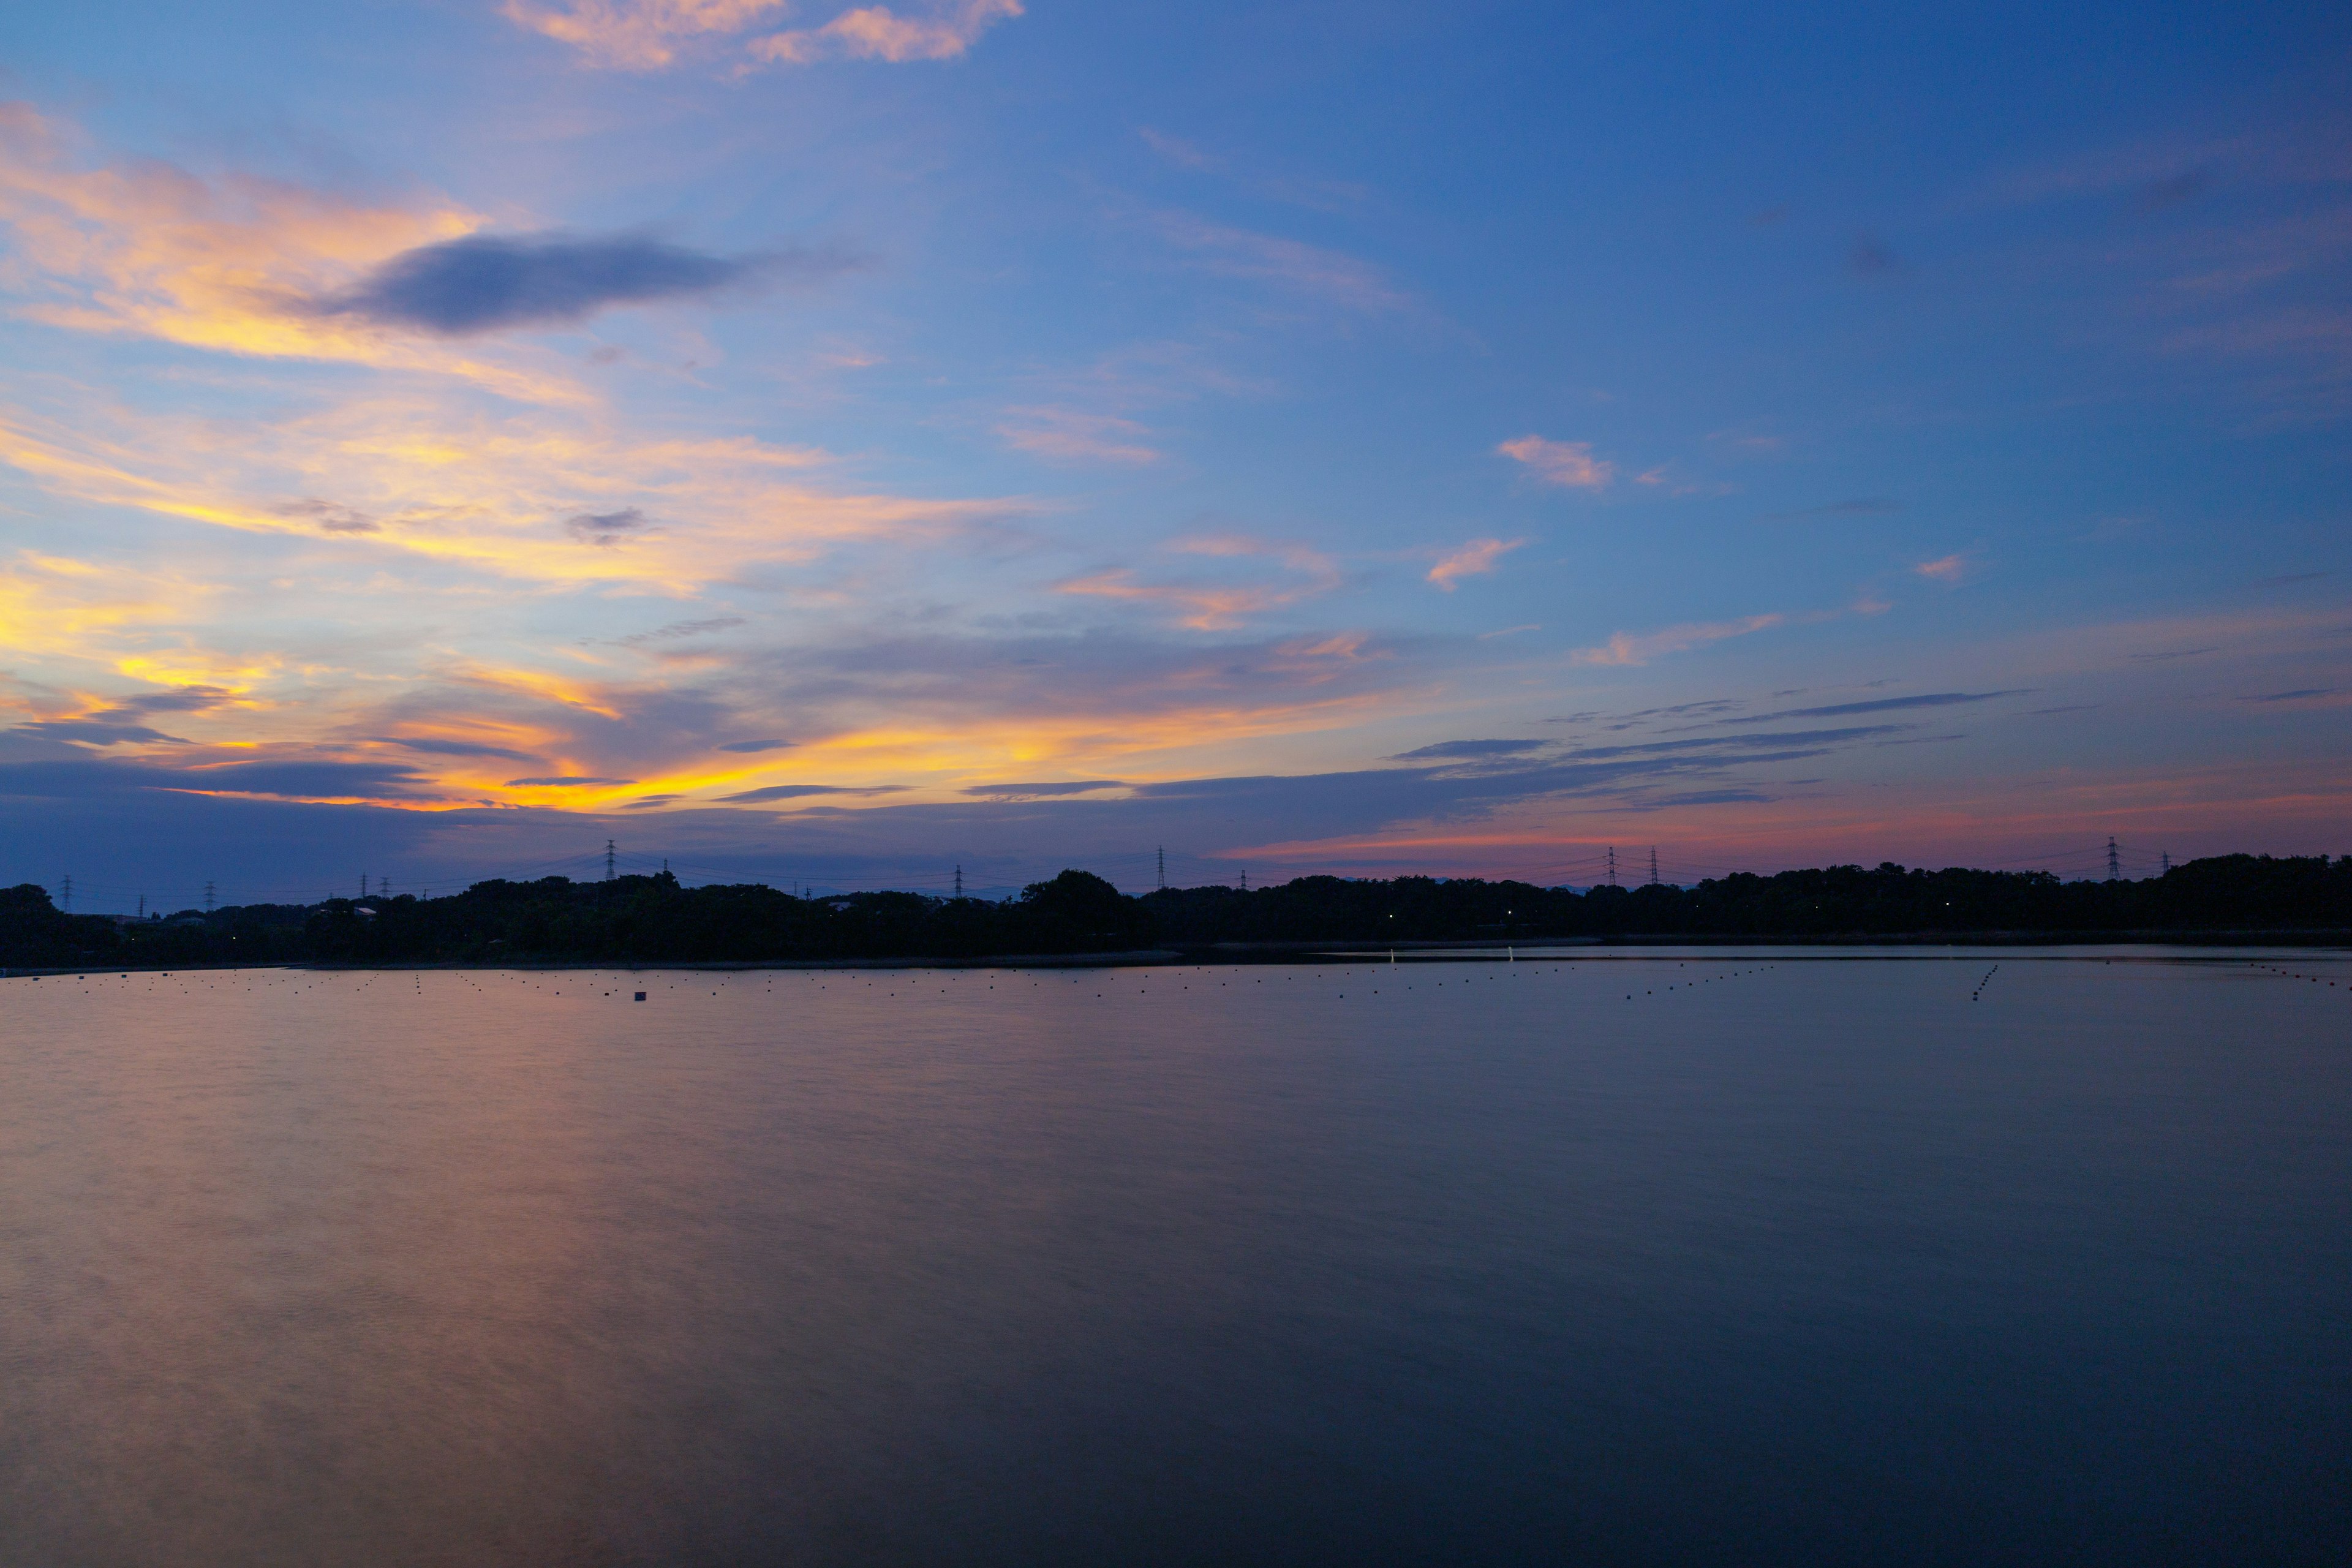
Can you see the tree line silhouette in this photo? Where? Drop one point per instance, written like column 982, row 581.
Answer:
column 654, row 919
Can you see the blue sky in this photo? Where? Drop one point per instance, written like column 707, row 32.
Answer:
column 839, row 444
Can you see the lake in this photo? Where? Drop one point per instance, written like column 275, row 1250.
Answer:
column 1815, row 1255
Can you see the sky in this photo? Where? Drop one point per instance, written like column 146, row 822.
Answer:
column 836, row 445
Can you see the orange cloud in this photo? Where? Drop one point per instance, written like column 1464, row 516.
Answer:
column 1217, row 606
column 1202, row 608
column 1566, row 463
column 497, row 493
column 228, row 264
column 1477, row 557
column 55, row 607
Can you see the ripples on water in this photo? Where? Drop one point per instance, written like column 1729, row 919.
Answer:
column 1800, row 1261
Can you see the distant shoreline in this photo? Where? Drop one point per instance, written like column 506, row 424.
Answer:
column 1276, row 953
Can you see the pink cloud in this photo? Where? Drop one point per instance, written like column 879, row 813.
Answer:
column 1069, row 435
column 1477, row 556
column 635, row 35
column 878, row 33
column 647, row 35
column 1202, row 607
column 1217, row 606
column 1641, row 647
column 1566, row 463
column 1950, row 569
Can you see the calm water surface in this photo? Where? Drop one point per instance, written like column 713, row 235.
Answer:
column 1805, row 1260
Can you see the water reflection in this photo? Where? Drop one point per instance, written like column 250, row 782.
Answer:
column 1769, row 1258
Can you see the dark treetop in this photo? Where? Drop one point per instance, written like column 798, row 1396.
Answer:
column 655, row 919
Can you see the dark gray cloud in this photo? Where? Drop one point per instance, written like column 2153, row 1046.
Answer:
column 485, row 283
column 798, row 792
column 303, row 778
column 97, row 732
column 548, row 780
column 676, row 629
column 1737, row 745
column 179, row 699
column 1705, row 798
column 2296, row 696
column 1881, row 705
column 331, row 517
column 757, row 745
column 1449, row 750
column 1043, row 791
column 53, row 779
column 1712, row 705
column 118, row 723
column 451, row 748
column 606, row 527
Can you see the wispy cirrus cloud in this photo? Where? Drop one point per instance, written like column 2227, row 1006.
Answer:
column 1327, row 275
column 1176, row 149
column 1317, row 195
column 1640, row 648
column 1202, row 607
column 1569, row 464
column 1471, row 559
column 1469, row 750
column 514, row 492
column 1217, row 606
column 1069, row 435
column 1947, row 569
